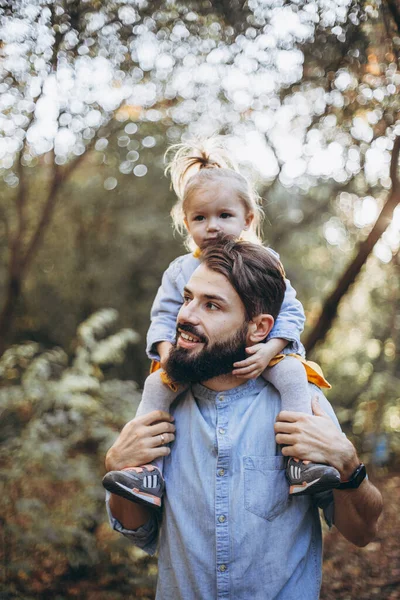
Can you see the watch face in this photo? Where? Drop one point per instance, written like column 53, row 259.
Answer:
column 359, row 475
column 356, row 478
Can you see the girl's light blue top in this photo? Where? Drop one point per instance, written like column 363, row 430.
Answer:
column 288, row 326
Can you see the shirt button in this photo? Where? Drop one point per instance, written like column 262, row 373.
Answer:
column 222, row 519
column 221, row 472
column 222, row 568
column 220, row 398
column 221, row 430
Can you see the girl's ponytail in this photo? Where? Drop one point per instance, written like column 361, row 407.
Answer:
column 197, row 164
column 189, row 158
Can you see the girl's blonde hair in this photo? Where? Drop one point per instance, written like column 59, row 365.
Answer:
column 196, row 164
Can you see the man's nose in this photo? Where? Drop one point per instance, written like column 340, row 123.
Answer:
column 188, row 314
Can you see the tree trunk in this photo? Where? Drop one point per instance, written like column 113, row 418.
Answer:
column 20, row 261
column 330, row 307
column 6, row 316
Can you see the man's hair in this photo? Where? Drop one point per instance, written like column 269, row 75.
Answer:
column 253, row 271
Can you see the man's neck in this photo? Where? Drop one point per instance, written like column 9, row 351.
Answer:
column 223, row 382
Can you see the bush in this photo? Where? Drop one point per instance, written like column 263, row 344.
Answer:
column 57, row 421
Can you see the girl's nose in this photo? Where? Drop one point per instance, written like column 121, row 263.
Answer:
column 212, row 225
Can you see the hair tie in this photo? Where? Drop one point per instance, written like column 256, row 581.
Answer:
column 203, row 162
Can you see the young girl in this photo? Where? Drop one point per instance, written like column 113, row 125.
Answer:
column 213, row 199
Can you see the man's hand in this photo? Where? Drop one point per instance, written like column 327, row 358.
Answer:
column 141, row 441
column 258, row 361
column 316, row 438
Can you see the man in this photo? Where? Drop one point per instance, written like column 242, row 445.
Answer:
column 229, row 529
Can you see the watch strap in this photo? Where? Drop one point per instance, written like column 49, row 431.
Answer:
column 356, row 478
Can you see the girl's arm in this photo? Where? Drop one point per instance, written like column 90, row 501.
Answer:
column 164, row 311
column 290, row 322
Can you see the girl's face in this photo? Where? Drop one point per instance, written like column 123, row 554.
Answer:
column 213, row 210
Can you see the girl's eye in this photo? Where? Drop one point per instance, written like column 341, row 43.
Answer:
column 225, row 215
column 198, row 218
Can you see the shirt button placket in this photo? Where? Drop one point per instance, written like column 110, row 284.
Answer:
column 222, row 497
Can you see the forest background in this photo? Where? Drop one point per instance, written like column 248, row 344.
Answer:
column 91, row 95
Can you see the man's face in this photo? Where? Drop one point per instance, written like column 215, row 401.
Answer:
column 211, row 329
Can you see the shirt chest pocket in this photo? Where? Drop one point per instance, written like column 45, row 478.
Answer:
column 266, row 490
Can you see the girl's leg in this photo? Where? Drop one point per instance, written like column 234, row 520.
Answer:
column 145, row 484
column 289, row 377
column 157, row 396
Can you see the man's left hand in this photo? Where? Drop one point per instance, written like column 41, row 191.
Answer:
column 315, row 438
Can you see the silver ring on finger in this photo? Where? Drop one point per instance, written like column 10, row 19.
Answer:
column 162, row 439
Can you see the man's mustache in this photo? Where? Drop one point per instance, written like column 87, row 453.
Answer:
column 188, row 328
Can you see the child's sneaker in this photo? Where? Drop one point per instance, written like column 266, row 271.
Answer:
column 142, row 485
column 306, row 477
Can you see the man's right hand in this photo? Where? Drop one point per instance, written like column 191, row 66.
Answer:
column 141, row 441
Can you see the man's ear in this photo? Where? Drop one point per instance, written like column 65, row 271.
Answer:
column 259, row 328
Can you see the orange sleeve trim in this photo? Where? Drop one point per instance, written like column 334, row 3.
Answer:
column 155, row 366
column 168, row 381
column 313, row 370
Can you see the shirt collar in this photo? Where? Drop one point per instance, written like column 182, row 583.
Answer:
column 203, row 393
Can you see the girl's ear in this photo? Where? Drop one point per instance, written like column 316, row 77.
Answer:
column 259, row 328
column 248, row 221
column 186, row 224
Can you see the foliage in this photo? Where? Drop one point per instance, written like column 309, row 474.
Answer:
column 366, row 573
column 309, row 90
column 57, row 420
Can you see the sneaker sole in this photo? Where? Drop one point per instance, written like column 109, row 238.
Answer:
column 321, row 484
column 132, row 494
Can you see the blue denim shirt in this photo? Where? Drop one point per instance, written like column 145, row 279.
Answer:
column 288, row 326
column 229, row 529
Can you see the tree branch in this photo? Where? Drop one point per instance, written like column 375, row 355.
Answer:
column 394, row 9
column 329, row 310
column 4, row 220
column 58, row 179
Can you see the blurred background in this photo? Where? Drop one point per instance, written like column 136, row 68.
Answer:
column 92, row 93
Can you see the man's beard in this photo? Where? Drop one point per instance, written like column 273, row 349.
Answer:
column 186, row 367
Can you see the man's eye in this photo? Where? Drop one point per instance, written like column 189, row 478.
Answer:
column 225, row 215
column 186, row 299
column 212, row 306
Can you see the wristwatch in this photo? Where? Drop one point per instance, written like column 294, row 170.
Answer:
column 355, row 479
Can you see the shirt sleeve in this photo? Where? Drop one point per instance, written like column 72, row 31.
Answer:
column 145, row 537
column 290, row 322
column 164, row 311
column 325, row 501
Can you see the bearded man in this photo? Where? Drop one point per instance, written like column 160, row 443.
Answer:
column 228, row 528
